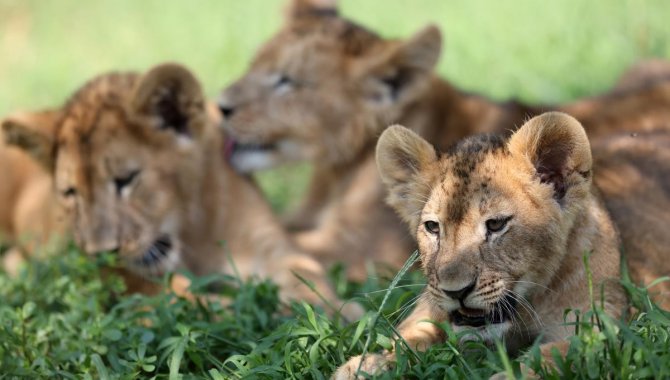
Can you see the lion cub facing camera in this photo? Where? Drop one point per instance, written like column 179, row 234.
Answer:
column 502, row 228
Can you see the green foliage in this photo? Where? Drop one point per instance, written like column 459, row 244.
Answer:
column 62, row 318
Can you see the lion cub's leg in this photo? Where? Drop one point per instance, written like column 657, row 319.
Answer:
column 418, row 331
column 295, row 268
column 12, row 260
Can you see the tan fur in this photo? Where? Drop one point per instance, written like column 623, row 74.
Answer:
column 323, row 89
column 529, row 267
column 137, row 166
column 30, row 219
column 633, row 176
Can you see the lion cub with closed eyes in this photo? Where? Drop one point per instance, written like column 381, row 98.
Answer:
column 502, row 227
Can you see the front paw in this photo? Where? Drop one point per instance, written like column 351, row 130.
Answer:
column 373, row 364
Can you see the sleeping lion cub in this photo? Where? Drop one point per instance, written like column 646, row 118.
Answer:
column 138, row 169
column 502, row 227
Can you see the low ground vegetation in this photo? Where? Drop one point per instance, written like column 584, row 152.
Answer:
column 62, row 318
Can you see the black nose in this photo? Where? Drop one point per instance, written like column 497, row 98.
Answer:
column 226, row 110
column 462, row 293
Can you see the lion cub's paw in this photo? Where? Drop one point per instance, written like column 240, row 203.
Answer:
column 373, row 364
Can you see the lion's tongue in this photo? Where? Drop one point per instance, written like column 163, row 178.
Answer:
column 228, row 147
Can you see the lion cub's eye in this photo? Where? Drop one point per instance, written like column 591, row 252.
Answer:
column 282, row 83
column 432, row 227
column 122, row 182
column 69, row 192
column 282, row 80
column 496, row 225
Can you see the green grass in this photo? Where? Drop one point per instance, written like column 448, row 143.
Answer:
column 60, row 319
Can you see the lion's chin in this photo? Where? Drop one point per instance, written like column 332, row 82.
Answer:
column 487, row 333
column 161, row 257
column 499, row 313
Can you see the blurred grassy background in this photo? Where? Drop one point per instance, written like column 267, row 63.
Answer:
column 535, row 50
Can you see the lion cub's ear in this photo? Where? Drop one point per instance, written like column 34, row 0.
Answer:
column 300, row 8
column 408, row 67
column 558, row 148
column 171, row 96
column 405, row 162
column 35, row 133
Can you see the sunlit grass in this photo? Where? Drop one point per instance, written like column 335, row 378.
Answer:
column 62, row 319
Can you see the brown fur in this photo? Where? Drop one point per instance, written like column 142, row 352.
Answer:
column 633, row 176
column 324, row 88
column 136, row 162
column 514, row 219
column 30, row 219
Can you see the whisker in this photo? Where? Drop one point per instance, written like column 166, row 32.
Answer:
column 527, row 306
column 534, row 283
column 386, row 289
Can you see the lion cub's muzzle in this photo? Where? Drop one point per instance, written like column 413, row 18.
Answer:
column 500, row 312
column 156, row 253
column 160, row 257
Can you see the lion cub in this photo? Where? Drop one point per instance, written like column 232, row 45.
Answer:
column 502, row 228
column 137, row 166
column 323, row 89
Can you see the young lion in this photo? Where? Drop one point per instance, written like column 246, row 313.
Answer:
column 137, row 166
column 502, row 226
column 324, row 88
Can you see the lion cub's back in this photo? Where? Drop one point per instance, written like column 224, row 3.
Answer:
column 633, row 174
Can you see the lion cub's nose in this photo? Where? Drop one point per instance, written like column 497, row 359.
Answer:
column 226, row 109
column 460, row 294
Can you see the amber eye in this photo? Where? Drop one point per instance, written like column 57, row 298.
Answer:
column 432, row 227
column 496, row 225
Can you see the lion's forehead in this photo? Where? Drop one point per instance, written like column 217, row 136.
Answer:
column 332, row 36
column 92, row 105
column 468, row 175
column 95, row 122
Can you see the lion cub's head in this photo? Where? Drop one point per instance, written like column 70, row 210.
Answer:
column 126, row 153
column 491, row 216
column 323, row 88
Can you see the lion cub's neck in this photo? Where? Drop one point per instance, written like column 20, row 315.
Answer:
column 228, row 215
column 591, row 234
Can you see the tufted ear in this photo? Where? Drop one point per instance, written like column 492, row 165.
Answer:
column 171, row 96
column 408, row 66
column 35, row 133
column 404, row 161
column 301, row 8
column 558, row 148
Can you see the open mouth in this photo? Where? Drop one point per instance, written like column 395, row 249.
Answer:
column 231, row 146
column 158, row 252
column 499, row 313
